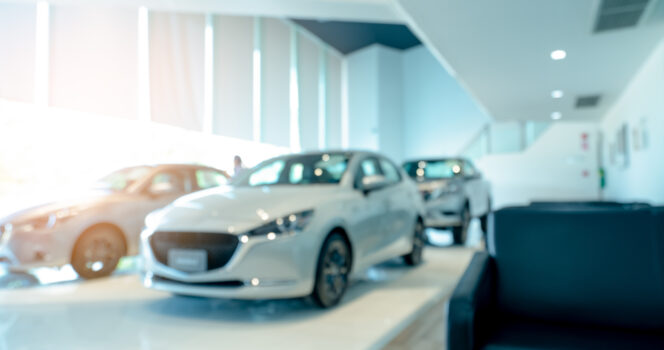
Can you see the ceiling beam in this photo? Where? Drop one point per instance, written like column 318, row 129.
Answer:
column 380, row 11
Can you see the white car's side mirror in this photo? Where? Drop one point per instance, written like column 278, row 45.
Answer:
column 373, row 182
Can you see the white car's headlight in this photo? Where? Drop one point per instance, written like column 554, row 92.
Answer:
column 289, row 224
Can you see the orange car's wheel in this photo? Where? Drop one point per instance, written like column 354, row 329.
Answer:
column 97, row 252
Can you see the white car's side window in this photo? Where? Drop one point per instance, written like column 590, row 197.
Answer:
column 369, row 167
column 267, row 175
column 390, row 171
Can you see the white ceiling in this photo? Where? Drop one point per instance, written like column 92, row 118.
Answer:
column 500, row 51
column 349, row 10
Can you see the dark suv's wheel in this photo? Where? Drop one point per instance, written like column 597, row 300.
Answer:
column 97, row 252
column 414, row 258
column 460, row 233
column 332, row 272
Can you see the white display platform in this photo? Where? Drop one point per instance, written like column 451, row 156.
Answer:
column 118, row 313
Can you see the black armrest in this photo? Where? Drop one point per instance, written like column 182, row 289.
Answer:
column 470, row 303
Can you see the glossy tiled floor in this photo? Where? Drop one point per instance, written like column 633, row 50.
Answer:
column 118, row 313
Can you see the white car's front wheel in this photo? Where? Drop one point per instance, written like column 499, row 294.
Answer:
column 332, row 271
column 414, row 258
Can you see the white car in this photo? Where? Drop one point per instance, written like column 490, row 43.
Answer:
column 454, row 192
column 292, row 226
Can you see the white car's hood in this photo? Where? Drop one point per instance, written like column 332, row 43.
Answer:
column 238, row 209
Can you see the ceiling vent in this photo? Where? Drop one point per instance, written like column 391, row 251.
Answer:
column 587, row 101
column 619, row 14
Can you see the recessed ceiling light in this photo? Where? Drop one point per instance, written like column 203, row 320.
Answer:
column 557, row 93
column 556, row 115
column 558, row 55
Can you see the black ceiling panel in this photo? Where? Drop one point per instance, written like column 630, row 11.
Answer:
column 618, row 14
column 351, row 36
column 587, row 101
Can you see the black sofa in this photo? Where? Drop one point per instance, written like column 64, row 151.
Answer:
column 564, row 277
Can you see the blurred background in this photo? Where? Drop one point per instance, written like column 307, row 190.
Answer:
column 87, row 89
column 552, row 100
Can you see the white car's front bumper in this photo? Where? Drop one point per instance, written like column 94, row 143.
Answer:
column 258, row 269
column 444, row 211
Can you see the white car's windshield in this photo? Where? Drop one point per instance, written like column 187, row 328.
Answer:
column 433, row 169
column 325, row 168
column 121, row 180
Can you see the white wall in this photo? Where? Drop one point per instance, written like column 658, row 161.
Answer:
column 363, row 98
column 555, row 167
column 308, row 75
column 440, row 117
column 275, row 60
column 390, row 108
column 333, row 104
column 506, row 137
column 233, row 76
column 176, row 68
column 642, row 104
column 404, row 104
column 17, row 56
column 94, row 59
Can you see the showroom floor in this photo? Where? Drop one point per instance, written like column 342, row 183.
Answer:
column 119, row 313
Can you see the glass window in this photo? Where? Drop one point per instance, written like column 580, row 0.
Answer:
column 296, row 173
column 206, row 178
column 369, row 167
column 175, row 181
column 268, row 174
column 390, row 171
column 469, row 169
column 327, row 168
column 434, row 169
column 122, row 179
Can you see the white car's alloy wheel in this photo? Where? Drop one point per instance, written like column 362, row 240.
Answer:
column 332, row 273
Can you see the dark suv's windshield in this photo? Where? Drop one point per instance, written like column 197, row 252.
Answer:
column 325, row 168
column 433, row 169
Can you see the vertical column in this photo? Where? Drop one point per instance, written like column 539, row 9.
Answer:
column 42, row 54
column 294, row 96
column 322, row 97
column 256, row 110
column 143, row 65
column 344, row 104
column 208, row 89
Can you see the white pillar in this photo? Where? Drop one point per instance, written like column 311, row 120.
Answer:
column 42, row 54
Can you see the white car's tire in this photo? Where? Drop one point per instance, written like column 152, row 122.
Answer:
column 414, row 258
column 460, row 233
column 332, row 271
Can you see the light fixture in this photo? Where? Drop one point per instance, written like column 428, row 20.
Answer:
column 558, row 55
column 556, row 115
column 557, row 93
